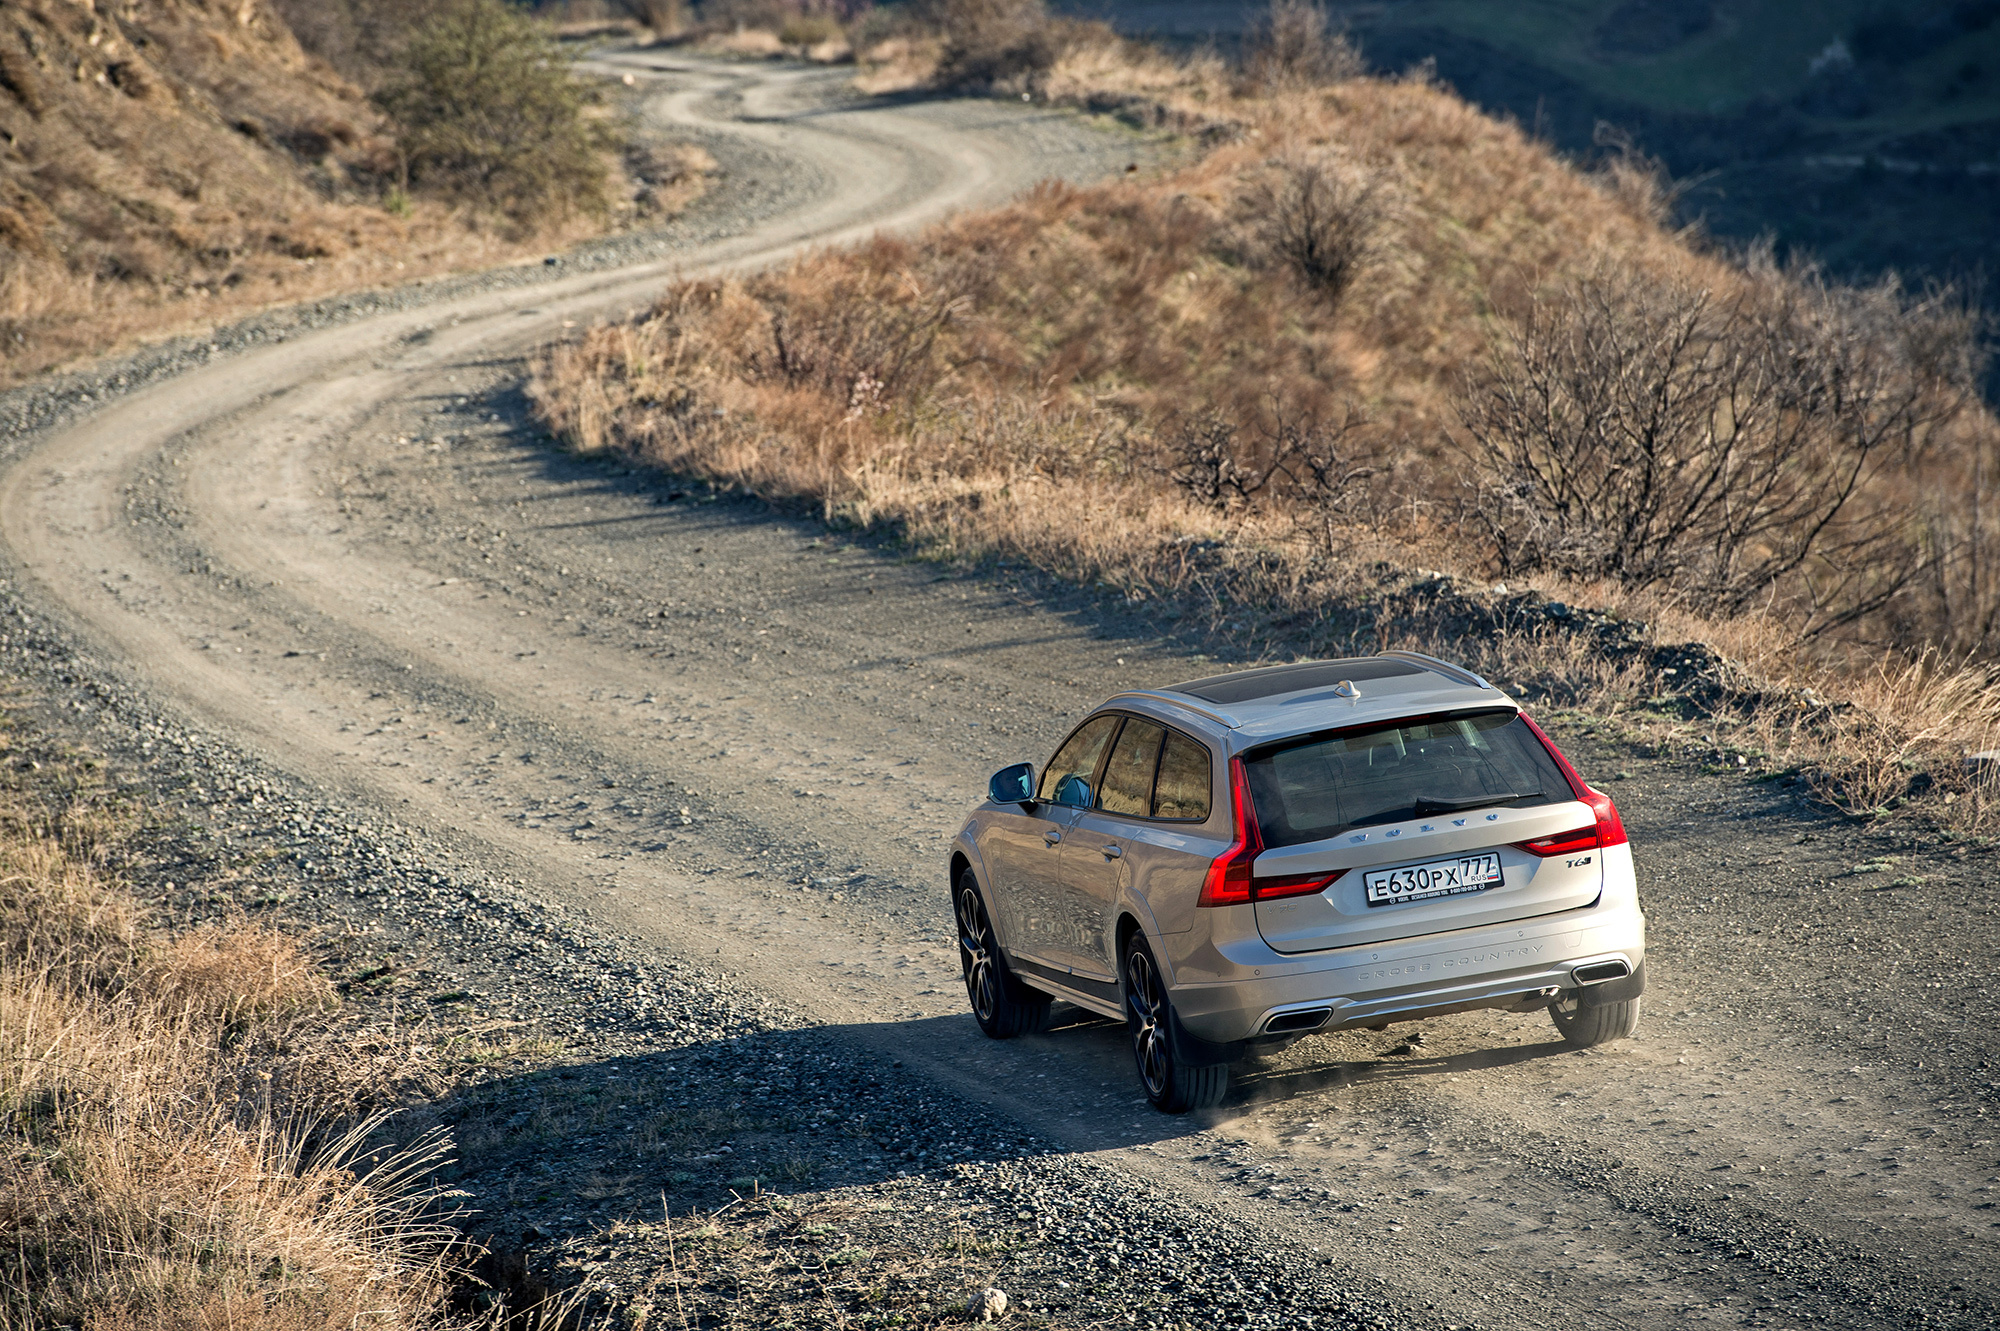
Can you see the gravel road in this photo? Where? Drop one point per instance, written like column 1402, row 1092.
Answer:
column 556, row 751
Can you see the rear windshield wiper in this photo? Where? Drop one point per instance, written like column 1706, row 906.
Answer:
column 1426, row 805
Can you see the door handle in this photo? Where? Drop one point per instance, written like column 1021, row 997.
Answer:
column 1052, row 836
column 1112, row 852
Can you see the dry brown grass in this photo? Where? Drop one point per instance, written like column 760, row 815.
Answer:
column 179, row 1149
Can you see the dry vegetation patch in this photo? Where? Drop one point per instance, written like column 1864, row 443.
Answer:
column 179, row 1143
column 1370, row 330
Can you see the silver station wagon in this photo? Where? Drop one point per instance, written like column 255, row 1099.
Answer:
column 1234, row 862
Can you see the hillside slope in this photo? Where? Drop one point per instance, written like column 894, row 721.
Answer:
column 172, row 148
column 173, row 162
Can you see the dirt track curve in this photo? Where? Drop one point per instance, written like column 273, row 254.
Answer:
column 738, row 736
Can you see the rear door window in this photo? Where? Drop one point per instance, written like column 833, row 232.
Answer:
column 1128, row 775
column 1069, row 775
column 1440, row 767
column 1182, row 790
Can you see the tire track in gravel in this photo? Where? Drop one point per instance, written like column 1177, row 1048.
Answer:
column 733, row 735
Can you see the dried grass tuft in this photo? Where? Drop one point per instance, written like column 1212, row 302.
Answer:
column 177, row 1147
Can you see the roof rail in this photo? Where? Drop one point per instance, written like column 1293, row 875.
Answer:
column 1181, row 701
column 1458, row 674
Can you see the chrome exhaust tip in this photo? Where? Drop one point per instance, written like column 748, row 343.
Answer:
column 1600, row 971
column 1295, row 1023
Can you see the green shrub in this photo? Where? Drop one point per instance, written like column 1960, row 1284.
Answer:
column 487, row 111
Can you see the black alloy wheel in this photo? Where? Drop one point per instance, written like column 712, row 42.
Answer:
column 1003, row 1006
column 1171, row 1085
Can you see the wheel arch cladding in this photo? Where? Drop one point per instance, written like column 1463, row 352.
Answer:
column 960, row 862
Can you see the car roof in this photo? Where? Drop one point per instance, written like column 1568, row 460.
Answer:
column 1273, row 702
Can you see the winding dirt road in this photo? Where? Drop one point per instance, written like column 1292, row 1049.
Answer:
column 733, row 734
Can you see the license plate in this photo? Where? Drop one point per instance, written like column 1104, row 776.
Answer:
column 1437, row 878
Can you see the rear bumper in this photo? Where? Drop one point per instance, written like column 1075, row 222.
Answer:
column 1521, row 965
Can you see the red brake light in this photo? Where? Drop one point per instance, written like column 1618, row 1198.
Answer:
column 1606, row 830
column 1293, row 884
column 1228, row 882
column 1228, row 879
column 1610, row 827
column 1562, row 843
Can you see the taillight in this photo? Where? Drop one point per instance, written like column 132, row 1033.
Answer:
column 1228, row 879
column 1610, row 827
column 1228, row 882
column 1293, row 884
column 1606, row 830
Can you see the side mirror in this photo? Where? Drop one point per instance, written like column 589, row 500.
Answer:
column 1013, row 785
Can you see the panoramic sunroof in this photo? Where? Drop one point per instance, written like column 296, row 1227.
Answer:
column 1249, row 685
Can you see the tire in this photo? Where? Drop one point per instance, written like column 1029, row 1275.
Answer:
column 1588, row 1027
column 1002, row 1005
column 1171, row 1085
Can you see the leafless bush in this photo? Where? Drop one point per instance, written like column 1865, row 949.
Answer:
column 1313, row 469
column 868, row 350
column 988, row 43
column 1293, row 46
column 1321, row 220
column 1213, row 465
column 664, row 18
column 1660, row 433
column 1327, row 470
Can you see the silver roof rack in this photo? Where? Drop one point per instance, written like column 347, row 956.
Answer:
column 1457, row 674
column 1180, row 700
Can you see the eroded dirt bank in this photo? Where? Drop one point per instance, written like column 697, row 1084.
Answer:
column 663, row 779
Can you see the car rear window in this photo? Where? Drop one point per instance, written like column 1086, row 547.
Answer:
column 1438, row 767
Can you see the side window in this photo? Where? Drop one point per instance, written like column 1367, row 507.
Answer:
column 1183, row 787
column 1128, row 777
column 1070, row 772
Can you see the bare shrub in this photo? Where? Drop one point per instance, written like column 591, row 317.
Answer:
column 1308, row 470
column 1321, row 220
column 859, row 341
column 489, row 112
column 990, row 43
column 1293, row 46
column 1662, row 433
column 1955, row 602
column 1328, row 468
column 1212, row 466
column 663, row 18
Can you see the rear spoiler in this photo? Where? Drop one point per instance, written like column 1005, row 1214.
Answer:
column 1456, row 674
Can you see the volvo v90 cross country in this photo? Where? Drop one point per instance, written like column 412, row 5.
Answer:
column 1233, row 862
